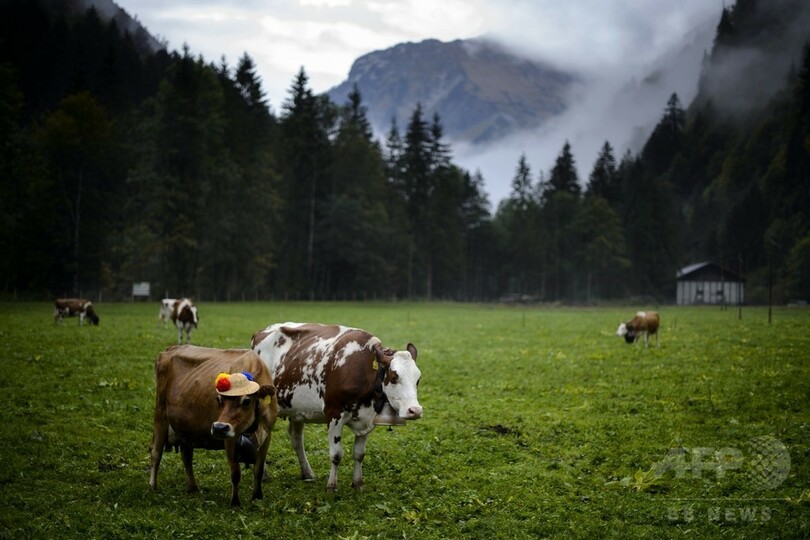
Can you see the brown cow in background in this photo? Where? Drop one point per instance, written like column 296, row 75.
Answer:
column 70, row 307
column 645, row 322
column 185, row 318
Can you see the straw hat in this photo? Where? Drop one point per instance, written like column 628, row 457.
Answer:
column 235, row 384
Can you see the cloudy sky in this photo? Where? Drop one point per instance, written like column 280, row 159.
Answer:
column 325, row 36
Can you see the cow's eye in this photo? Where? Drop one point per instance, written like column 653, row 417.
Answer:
column 219, row 400
column 246, row 402
column 394, row 379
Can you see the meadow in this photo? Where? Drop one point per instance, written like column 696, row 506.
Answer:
column 538, row 423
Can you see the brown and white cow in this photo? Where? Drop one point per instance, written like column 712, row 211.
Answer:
column 339, row 376
column 69, row 307
column 185, row 318
column 645, row 322
column 195, row 408
column 166, row 309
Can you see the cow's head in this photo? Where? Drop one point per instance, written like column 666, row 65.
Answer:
column 630, row 334
column 90, row 314
column 626, row 331
column 195, row 319
column 239, row 398
column 401, row 380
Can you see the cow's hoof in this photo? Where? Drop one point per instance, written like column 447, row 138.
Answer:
column 358, row 486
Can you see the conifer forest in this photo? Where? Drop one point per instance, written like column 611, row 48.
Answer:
column 119, row 164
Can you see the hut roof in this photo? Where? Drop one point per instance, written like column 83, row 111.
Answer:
column 707, row 271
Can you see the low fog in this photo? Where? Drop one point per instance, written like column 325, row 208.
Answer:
column 618, row 103
column 621, row 100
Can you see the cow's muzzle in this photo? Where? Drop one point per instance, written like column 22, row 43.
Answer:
column 414, row 412
column 222, row 430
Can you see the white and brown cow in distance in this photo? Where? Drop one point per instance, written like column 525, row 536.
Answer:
column 166, row 310
column 339, row 376
column 185, row 318
column 190, row 413
column 70, row 307
column 645, row 322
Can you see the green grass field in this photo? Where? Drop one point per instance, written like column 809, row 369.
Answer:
column 539, row 422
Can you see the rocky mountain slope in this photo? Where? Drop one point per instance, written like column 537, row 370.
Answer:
column 481, row 91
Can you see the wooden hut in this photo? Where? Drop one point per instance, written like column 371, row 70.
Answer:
column 709, row 283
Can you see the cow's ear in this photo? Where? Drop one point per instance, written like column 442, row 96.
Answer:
column 412, row 349
column 266, row 390
column 258, row 337
column 381, row 358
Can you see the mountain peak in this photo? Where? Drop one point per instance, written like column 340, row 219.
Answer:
column 480, row 90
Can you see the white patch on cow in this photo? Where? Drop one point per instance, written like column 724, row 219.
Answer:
column 622, row 330
column 641, row 314
column 166, row 309
column 185, row 302
column 306, row 405
column 348, row 350
column 402, row 395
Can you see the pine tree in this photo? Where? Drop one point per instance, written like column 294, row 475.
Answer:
column 564, row 176
column 306, row 165
column 603, row 178
column 522, row 184
column 667, row 138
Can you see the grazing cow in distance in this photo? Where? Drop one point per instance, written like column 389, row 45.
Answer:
column 166, row 309
column 213, row 399
column 338, row 376
column 185, row 318
column 645, row 322
column 69, row 307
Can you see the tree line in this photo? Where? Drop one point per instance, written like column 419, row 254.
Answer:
column 122, row 165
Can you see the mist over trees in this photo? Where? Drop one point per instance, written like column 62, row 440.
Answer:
column 120, row 165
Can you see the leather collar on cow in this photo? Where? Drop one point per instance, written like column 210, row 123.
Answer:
column 379, row 396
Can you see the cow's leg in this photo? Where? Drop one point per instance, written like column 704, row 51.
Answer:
column 258, row 468
column 156, row 451
column 335, row 430
column 81, row 318
column 359, row 454
column 296, row 431
column 187, row 452
column 188, row 334
column 236, row 472
column 646, row 338
column 179, row 335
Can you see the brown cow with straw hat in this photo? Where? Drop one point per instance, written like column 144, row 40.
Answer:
column 214, row 399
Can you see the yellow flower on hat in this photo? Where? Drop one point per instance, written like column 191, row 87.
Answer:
column 223, row 382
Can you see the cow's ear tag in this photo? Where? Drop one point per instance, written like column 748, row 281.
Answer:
column 375, row 365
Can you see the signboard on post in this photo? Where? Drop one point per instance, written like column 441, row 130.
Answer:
column 140, row 289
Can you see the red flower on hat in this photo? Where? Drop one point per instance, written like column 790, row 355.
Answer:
column 223, row 382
